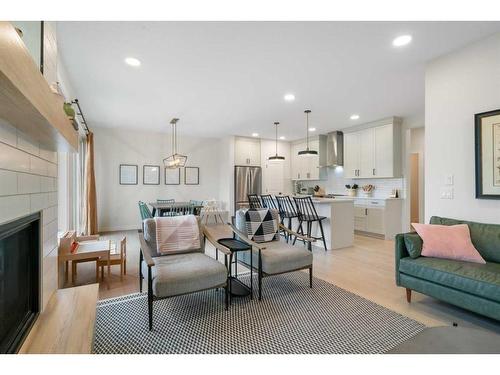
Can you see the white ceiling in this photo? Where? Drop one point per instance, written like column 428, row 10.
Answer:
column 225, row 78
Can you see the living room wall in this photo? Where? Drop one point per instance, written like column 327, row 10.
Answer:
column 457, row 86
column 117, row 204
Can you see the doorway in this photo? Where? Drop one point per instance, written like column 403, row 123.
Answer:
column 416, row 176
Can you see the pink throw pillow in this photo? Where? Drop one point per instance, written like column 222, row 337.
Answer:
column 448, row 242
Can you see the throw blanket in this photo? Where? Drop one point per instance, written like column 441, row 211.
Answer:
column 177, row 234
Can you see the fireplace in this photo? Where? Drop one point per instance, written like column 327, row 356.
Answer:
column 19, row 280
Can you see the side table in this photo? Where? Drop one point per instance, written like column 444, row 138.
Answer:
column 236, row 287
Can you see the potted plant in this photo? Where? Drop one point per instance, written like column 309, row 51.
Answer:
column 351, row 190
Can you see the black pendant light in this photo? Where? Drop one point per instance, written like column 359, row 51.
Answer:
column 276, row 157
column 307, row 152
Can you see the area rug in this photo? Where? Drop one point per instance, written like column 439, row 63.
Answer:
column 291, row 318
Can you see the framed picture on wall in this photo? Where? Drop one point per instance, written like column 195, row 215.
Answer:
column 151, row 174
column 487, row 140
column 191, row 176
column 128, row 174
column 172, row 176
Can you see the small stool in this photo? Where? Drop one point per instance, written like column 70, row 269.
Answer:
column 236, row 287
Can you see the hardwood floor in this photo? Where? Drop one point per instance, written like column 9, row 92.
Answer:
column 366, row 269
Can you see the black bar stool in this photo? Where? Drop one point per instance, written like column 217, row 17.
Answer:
column 287, row 210
column 254, row 201
column 307, row 213
column 268, row 202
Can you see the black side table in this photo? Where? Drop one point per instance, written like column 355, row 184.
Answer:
column 236, row 287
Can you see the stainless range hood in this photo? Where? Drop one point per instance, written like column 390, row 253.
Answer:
column 335, row 149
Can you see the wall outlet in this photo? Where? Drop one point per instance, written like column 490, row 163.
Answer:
column 446, row 193
column 448, row 180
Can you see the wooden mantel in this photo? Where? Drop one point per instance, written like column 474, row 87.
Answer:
column 26, row 100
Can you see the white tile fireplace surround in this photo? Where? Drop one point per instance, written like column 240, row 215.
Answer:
column 28, row 184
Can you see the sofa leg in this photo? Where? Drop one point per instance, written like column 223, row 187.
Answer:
column 408, row 295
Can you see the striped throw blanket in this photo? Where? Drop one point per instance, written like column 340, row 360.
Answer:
column 177, row 234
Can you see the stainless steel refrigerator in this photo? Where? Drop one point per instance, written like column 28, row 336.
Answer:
column 247, row 180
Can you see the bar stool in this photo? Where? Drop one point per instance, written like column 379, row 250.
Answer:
column 287, row 210
column 307, row 213
column 268, row 201
column 254, row 201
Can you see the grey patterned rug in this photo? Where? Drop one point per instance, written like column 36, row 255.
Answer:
column 290, row 319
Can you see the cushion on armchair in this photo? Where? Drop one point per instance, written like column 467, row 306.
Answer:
column 413, row 244
column 260, row 225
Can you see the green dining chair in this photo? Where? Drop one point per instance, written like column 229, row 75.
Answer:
column 144, row 211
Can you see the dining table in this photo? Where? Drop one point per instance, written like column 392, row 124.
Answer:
column 162, row 208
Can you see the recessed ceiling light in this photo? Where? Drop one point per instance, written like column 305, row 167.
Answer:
column 255, row 134
column 289, row 97
column 401, row 40
column 312, row 129
column 282, row 137
column 354, row 117
column 132, row 61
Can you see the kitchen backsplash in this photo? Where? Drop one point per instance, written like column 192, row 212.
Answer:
column 336, row 184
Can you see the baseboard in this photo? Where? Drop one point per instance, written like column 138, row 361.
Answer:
column 118, row 228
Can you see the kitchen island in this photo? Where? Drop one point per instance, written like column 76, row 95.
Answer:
column 338, row 225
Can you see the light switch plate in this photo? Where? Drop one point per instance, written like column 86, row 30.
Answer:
column 449, row 180
column 446, row 193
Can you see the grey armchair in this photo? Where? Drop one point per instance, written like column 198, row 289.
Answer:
column 179, row 273
column 274, row 257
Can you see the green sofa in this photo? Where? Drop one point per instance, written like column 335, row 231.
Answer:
column 472, row 286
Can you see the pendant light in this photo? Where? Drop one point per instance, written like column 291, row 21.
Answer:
column 276, row 157
column 175, row 160
column 307, row 152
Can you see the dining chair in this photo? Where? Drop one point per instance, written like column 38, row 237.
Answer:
column 116, row 258
column 144, row 211
column 287, row 210
column 197, row 206
column 307, row 213
column 171, row 211
column 254, row 201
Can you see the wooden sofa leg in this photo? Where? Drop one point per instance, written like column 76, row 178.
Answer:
column 408, row 295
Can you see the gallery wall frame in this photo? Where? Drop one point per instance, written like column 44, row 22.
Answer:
column 128, row 174
column 487, row 154
column 172, row 176
column 151, row 174
column 191, row 175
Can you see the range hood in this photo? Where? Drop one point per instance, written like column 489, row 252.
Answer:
column 335, row 149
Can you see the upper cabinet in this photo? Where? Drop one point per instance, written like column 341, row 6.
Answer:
column 374, row 152
column 247, row 151
column 311, row 167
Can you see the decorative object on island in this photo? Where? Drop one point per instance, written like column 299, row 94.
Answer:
column 487, row 140
column 351, row 190
column 172, row 176
column 368, row 190
column 191, row 176
column 175, row 160
column 128, row 174
column 307, row 152
column 318, row 191
column 151, row 174
column 276, row 156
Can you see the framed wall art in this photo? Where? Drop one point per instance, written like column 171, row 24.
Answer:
column 191, row 176
column 487, row 140
column 151, row 174
column 128, row 174
column 172, row 176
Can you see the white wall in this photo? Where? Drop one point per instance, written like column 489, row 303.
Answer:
column 457, row 86
column 117, row 204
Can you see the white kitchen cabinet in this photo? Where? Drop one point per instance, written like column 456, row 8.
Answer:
column 308, row 167
column 380, row 217
column 373, row 152
column 351, row 154
column 247, row 151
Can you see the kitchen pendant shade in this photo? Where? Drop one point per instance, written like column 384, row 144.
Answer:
column 307, row 152
column 276, row 156
column 175, row 160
